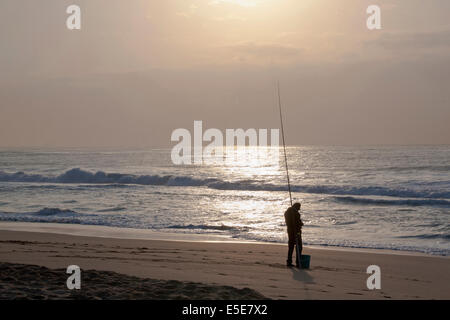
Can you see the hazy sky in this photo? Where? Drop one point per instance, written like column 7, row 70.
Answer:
column 137, row 70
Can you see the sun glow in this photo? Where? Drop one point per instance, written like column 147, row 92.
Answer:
column 251, row 162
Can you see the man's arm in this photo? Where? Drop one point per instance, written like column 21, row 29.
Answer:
column 298, row 222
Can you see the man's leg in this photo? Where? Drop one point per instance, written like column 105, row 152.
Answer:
column 291, row 245
column 298, row 243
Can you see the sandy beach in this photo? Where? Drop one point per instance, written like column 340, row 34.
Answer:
column 159, row 269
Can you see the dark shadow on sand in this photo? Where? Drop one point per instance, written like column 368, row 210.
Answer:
column 302, row 275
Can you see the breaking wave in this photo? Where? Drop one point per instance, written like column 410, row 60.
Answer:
column 79, row 176
column 55, row 211
column 55, row 215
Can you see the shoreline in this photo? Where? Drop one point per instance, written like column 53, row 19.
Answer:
column 148, row 234
column 334, row 274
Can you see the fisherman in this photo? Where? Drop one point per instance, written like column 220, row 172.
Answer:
column 294, row 228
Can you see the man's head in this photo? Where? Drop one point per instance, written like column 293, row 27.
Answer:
column 296, row 206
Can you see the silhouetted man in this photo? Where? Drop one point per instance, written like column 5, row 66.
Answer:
column 294, row 228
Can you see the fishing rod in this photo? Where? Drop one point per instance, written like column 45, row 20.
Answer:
column 298, row 238
column 284, row 143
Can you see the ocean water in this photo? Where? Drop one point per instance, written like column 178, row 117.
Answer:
column 388, row 197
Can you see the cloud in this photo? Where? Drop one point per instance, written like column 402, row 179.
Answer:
column 264, row 50
column 409, row 40
column 191, row 11
column 230, row 17
column 242, row 3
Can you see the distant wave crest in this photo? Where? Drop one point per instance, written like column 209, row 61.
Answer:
column 389, row 202
column 427, row 236
column 209, row 227
column 79, row 176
